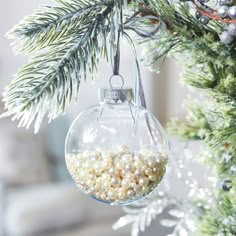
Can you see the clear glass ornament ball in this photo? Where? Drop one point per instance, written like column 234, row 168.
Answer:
column 116, row 151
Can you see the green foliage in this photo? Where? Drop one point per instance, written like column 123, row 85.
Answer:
column 50, row 24
column 221, row 220
column 209, row 66
column 69, row 39
column 73, row 38
column 196, row 126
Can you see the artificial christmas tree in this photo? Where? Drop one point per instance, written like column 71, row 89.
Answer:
column 65, row 43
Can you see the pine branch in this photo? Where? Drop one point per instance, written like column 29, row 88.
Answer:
column 200, row 78
column 196, row 126
column 222, row 136
column 50, row 82
column 50, row 24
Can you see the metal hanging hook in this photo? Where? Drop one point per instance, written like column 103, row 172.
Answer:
column 119, row 76
column 116, row 65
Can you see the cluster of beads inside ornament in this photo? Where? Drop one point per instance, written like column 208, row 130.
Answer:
column 117, row 178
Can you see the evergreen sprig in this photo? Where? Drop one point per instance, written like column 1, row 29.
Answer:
column 50, row 82
column 197, row 125
column 51, row 23
column 209, row 65
column 69, row 40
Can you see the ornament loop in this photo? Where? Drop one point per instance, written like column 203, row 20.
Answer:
column 114, row 86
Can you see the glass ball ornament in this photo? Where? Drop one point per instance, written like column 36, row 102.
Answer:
column 204, row 20
column 198, row 15
column 232, row 12
column 223, row 11
column 226, row 185
column 116, row 151
column 232, row 29
column 226, row 37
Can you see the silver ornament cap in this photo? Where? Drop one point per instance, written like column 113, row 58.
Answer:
column 115, row 95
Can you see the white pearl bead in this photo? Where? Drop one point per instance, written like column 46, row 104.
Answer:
column 148, row 171
column 144, row 182
column 92, row 191
column 155, row 170
column 111, row 194
column 81, row 183
column 107, row 164
column 128, row 167
column 111, row 171
column 130, row 177
column 105, row 186
column 79, row 163
column 98, row 167
column 118, row 164
column 99, row 150
column 127, row 158
column 124, row 148
column 112, row 155
column 145, row 190
column 93, row 159
column 137, row 173
column 90, row 183
column 125, row 183
column 151, row 163
column 137, row 188
column 123, row 173
column 97, row 187
column 152, row 177
column 138, row 164
column 115, row 182
column 99, row 181
column 137, row 157
column 92, row 177
column 122, row 194
column 103, row 196
column 152, row 185
column 130, row 193
column 143, row 168
column 86, row 165
column 82, row 174
column 144, row 152
column 106, row 177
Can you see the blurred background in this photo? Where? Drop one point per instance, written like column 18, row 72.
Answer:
column 37, row 196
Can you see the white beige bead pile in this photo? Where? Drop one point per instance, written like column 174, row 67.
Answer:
column 117, row 177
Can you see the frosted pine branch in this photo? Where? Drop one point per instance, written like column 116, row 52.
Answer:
column 51, row 23
column 50, row 82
